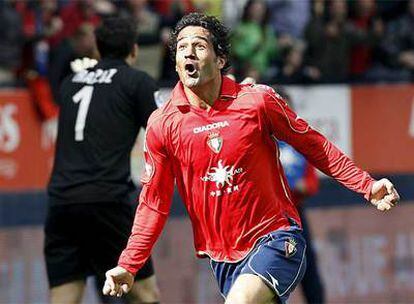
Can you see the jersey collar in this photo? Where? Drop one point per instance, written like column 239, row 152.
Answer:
column 110, row 62
column 229, row 90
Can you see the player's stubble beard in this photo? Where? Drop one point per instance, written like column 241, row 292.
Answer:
column 202, row 77
column 191, row 82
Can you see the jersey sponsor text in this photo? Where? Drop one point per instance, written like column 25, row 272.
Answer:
column 216, row 125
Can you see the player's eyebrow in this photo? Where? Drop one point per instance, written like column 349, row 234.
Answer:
column 194, row 36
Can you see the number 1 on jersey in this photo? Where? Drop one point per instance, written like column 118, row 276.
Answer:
column 83, row 97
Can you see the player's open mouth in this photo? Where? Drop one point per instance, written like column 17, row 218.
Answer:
column 190, row 69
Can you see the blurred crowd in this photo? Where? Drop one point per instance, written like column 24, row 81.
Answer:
column 274, row 41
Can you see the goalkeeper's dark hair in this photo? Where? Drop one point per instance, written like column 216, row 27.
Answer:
column 219, row 35
column 115, row 37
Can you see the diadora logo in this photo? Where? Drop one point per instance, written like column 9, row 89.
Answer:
column 216, row 125
column 223, row 177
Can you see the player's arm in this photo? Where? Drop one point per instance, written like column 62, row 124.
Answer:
column 285, row 125
column 151, row 215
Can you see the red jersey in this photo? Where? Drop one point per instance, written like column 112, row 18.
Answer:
column 227, row 170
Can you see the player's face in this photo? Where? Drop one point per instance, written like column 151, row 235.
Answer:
column 196, row 60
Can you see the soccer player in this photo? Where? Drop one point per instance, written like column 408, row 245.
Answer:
column 215, row 139
column 89, row 219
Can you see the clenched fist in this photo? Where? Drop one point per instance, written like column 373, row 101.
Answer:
column 118, row 282
column 383, row 195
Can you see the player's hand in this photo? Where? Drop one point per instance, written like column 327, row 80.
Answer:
column 118, row 282
column 383, row 195
column 49, row 132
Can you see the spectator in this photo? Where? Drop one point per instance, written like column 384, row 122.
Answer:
column 253, row 41
column 291, row 69
column 148, row 22
column 41, row 29
column 10, row 43
column 328, row 46
column 330, row 42
column 398, row 44
column 172, row 10
column 76, row 13
column 318, row 9
column 41, row 20
column 289, row 18
column 362, row 54
column 232, row 11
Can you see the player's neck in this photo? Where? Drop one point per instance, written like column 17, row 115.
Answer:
column 130, row 60
column 132, row 57
column 205, row 95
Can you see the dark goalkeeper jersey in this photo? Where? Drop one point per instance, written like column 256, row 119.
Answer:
column 101, row 112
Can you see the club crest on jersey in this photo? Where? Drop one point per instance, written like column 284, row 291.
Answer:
column 215, row 142
column 290, row 247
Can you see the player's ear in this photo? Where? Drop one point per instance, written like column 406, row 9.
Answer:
column 135, row 50
column 221, row 62
column 131, row 59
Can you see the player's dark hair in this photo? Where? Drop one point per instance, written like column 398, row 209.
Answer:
column 115, row 37
column 219, row 35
